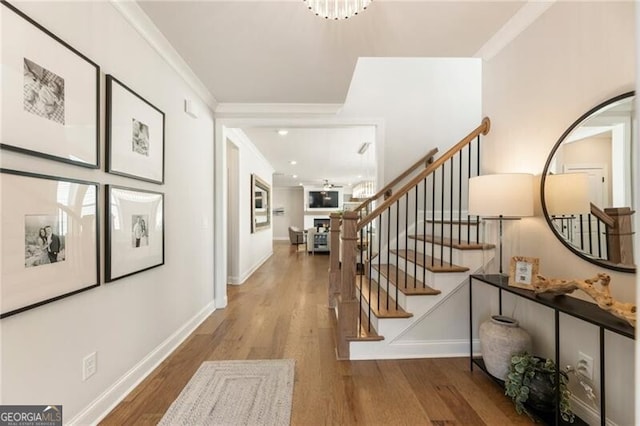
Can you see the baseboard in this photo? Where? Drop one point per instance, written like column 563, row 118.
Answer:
column 410, row 349
column 110, row 398
column 246, row 275
column 587, row 413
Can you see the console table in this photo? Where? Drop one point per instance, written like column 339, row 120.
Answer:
column 585, row 311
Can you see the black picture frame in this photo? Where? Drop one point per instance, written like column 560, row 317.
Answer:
column 134, row 126
column 134, row 238
column 50, row 99
column 41, row 274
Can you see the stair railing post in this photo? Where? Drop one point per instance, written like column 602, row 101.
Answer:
column 620, row 236
column 334, row 259
column 348, row 306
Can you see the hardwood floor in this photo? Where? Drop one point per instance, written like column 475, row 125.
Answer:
column 281, row 312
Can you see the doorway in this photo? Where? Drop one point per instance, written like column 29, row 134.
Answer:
column 233, row 212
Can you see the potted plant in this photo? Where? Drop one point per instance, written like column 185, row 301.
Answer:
column 531, row 380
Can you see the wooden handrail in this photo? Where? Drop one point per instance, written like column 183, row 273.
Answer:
column 426, row 160
column 482, row 129
column 600, row 214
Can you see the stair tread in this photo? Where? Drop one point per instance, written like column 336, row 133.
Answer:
column 462, row 245
column 410, row 255
column 471, row 222
column 411, row 288
column 367, row 332
column 382, row 311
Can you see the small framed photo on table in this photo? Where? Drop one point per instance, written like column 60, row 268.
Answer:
column 523, row 271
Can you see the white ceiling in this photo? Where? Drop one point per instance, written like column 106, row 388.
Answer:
column 280, row 52
column 320, row 153
column 272, row 52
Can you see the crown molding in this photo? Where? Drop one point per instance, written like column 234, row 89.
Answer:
column 519, row 22
column 267, row 110
column 139, row 20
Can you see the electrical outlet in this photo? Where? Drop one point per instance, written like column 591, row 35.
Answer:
column 89, row 365
column 584, row 367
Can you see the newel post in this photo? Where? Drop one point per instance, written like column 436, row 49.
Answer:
column 348, row 306
column 334, row 259
column 620, row 236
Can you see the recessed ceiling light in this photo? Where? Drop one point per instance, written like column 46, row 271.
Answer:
column 300, row 184
column 283, row 132
column 359, row 176
column 293, row 162
column 295, row 176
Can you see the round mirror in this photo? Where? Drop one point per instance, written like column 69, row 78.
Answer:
column 587, row 186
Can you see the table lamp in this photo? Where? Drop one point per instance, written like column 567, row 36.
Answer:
column 567, row 194
column 507, row 196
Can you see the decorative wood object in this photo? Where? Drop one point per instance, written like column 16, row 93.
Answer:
column 602, row 295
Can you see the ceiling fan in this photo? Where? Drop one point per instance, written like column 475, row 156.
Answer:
column 326, row 185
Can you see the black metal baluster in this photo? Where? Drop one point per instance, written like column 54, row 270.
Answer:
column 478, row 174
column 362, row 233
column 389, row 251
column 379, row 257
column 599, row 241
column 398, row 248
column 469, row 177
column 424, row 227
column 459, row 195
column 590, row 236
column 415, row 241
column 433, row 216
column 406, row 241
column 581, row 234
column 451, row 212
column 442, row 216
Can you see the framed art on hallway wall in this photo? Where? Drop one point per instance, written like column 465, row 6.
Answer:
column 135, row 134
column 48, row 239
column 135, row 231
column 50, row 103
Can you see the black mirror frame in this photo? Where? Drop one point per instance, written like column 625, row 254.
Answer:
column 545, row 171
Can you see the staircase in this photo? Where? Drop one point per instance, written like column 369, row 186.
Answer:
column 406, row 260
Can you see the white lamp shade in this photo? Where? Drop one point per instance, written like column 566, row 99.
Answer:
column 567, row 194
column 506, row 195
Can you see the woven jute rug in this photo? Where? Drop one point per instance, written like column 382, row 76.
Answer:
column 235, row 393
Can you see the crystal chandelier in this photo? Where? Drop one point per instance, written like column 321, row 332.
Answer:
column 337, row 9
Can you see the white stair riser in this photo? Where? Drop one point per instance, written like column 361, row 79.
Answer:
column 449, row 231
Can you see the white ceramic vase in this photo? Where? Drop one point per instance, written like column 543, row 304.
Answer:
column 500, row 338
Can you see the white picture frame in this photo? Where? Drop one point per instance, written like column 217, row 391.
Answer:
column 135, row 231
column 135, row 134
column 38, row 268
column 50, row 103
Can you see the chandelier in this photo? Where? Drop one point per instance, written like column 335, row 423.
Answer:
column 337, row 9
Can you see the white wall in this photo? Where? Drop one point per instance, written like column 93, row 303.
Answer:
column 253, row 248
column 424, row 102
column 289, row 198
column 576, row 55
column 124, row 321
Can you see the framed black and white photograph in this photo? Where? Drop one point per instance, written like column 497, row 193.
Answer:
column 135, row 231
column 523, row 271
column 48, row 239
column 50, row 103
column 135, row 134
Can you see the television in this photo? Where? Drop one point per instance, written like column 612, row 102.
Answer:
column 323, row 199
